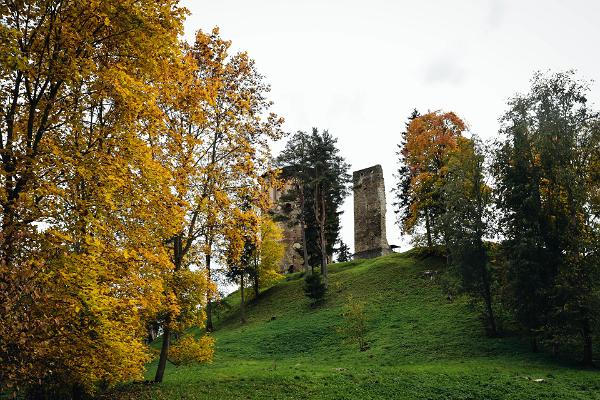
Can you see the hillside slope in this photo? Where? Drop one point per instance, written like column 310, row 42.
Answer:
column 422, row 346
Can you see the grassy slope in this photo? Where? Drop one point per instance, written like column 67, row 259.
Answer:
column 421, row 347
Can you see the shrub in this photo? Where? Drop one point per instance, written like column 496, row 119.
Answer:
column 354, row 327
column 188, row 350
column 314, row 288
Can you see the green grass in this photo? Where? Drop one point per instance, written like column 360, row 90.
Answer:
column 422, row 346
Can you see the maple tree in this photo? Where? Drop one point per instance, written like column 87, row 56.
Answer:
column 85, row 204
column 429, row 139
column 217, row 145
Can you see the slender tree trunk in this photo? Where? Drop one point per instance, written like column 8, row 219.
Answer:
column 588, row 356
column 534, row 343
column 485, row 276
column 307, row 269
column 164, row 350
column 487, row 291
column 242, row 305
column 488, row 304
column 256, row 284
column 324, row 269
column 209, row 302
column 164, row 353
column 321, row 218
column 428, row 229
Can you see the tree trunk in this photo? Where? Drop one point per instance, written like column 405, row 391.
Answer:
column 9, row 229
column 209, row 303
column 242, row 305
column 324, row 271
column 164, row 353
column 307, row 269
column 588, row 356
column 255, row 283
column 164, row 350
column 534, row 343
column 490, row 310
column 321, row 218
column 428, row 229
column 487, row 295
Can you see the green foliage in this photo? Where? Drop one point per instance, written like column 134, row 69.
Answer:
column 547, row 185
column 466, row 200
column 314, row 288
column 314, row 162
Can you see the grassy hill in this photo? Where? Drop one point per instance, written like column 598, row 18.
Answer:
column 422, row 346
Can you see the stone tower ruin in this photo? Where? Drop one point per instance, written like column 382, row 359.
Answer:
column 369, row 213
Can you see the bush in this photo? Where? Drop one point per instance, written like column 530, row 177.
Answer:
column 354, row 327
column 189, row 350
column 314, row 288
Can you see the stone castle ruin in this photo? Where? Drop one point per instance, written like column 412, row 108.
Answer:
column 286, row 212
column 369, row 213
column 369, row 219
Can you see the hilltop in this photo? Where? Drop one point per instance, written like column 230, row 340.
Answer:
column 422, row 345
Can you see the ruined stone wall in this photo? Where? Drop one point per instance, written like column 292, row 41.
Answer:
column 286, row 213
column 370, row 238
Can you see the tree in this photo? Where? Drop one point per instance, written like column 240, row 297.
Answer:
column 268, row 255
column 428, row 140
column 295, row 168
column 546, row 186
column 238, row 126
column 314, row 288
column 85, row 205
column 218, row 147
column 242, row 250
column 323, row 177
column 466, row 203
column 343, row 251
column 404, row 175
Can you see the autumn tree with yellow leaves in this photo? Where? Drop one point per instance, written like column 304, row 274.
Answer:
column 122, row 154
column 217, row 131
column 86, row 205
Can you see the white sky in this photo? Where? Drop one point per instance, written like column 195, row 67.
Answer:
column 358, row 68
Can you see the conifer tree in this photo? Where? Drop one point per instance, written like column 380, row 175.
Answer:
column 322, row 175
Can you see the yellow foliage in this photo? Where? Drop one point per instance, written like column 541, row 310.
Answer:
column 189, row 350
column 271, row 251
column 86, row 198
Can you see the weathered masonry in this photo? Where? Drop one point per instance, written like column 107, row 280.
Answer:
column 369, row 213
column 286, row 212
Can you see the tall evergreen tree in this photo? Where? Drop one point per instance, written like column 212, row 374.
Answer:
column 402, row 192
column 343, row 252
column 321, row 173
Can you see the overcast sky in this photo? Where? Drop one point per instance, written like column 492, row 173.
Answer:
column 358, row 68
